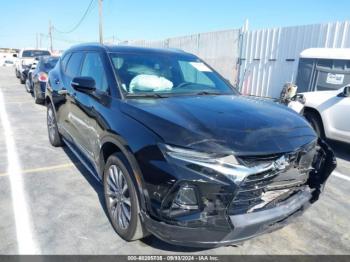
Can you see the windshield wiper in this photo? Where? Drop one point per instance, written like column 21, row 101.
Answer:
column 151, row 95
column 201, row 93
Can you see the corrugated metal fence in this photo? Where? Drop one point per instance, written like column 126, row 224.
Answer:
column 218, row 49
column 268, row 57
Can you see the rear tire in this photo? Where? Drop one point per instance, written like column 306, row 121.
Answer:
column 37, row 100
column 316, row 122
column 54, row 135
column 21, row 79
column 27, row 86
column 121, row 199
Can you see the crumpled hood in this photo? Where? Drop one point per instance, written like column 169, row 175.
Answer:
column 244, row 125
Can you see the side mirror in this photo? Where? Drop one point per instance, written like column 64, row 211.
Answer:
column 14, row 55
column 346, row 92
column 84, row 84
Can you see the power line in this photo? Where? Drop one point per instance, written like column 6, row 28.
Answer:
column 62, row 39
column 80, row 21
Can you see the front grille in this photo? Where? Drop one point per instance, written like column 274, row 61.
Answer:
column 266, row 189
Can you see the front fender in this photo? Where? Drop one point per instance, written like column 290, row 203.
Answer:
column 324, row 163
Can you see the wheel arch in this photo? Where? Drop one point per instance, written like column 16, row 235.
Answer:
column 47, row 100
column 115, row 144
column 311, row 110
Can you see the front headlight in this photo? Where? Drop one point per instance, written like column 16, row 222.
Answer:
column 225, row 164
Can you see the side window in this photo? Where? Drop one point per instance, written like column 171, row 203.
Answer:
column 304, row 76
column 73, row 65
column 191, row 75
column 64, row 61
column 93, row 67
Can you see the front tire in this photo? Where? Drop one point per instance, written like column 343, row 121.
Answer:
column 54, row 135
column 121, row 199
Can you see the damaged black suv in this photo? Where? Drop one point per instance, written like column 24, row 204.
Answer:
column 180, row 153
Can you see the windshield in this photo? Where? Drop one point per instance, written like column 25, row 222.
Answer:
column 152, row 74
column 33, row 53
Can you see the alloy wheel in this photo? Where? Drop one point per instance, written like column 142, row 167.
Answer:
column 118, row 197
column 51, row 123
column 27, row 85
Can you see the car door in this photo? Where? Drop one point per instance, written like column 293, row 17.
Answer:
column 57, row 86
column 70, row 113
column 94, row 67
column 334, row 113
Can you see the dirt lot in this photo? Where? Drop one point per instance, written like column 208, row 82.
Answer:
column 50, row 205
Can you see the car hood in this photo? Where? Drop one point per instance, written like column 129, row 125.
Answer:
column 318, row 98
column 237, row 124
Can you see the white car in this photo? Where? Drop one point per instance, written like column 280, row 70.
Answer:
column 329, row 113
column 25, row 58
column 8, row 63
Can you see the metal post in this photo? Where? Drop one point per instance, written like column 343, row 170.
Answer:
column 242, row 36
column 50, row 36
column 100, row 20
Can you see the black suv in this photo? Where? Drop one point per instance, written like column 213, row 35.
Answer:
column 181, row 154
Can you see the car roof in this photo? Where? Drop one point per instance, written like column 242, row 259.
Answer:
column 129, row 49
column 326, row 53
column 42, row 57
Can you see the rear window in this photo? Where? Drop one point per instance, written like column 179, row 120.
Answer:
column 49, row 63
column 34, row 53
column 73, row 66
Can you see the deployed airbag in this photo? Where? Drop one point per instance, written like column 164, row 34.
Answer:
column 150, row 83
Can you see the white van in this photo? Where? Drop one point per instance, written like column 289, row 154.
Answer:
column 324, row 80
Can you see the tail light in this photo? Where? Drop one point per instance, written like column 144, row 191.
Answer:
column 42, row 77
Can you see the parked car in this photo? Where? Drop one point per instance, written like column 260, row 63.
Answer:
column 24, row 59
column 327, row 113
column 180, row 153
column 27, row 75
column 8, row 63
column 38, row 78
column 323, row 74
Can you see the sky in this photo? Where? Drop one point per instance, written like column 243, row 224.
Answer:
column 22, row 20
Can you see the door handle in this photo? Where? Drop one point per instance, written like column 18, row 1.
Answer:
column 57, row 81
column 62, row 92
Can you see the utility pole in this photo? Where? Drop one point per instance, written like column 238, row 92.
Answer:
column 37, row 41
column 50, row 36
column 100, row 20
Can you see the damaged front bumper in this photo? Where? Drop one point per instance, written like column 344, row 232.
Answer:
column 244, row 226
column 231, row 214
